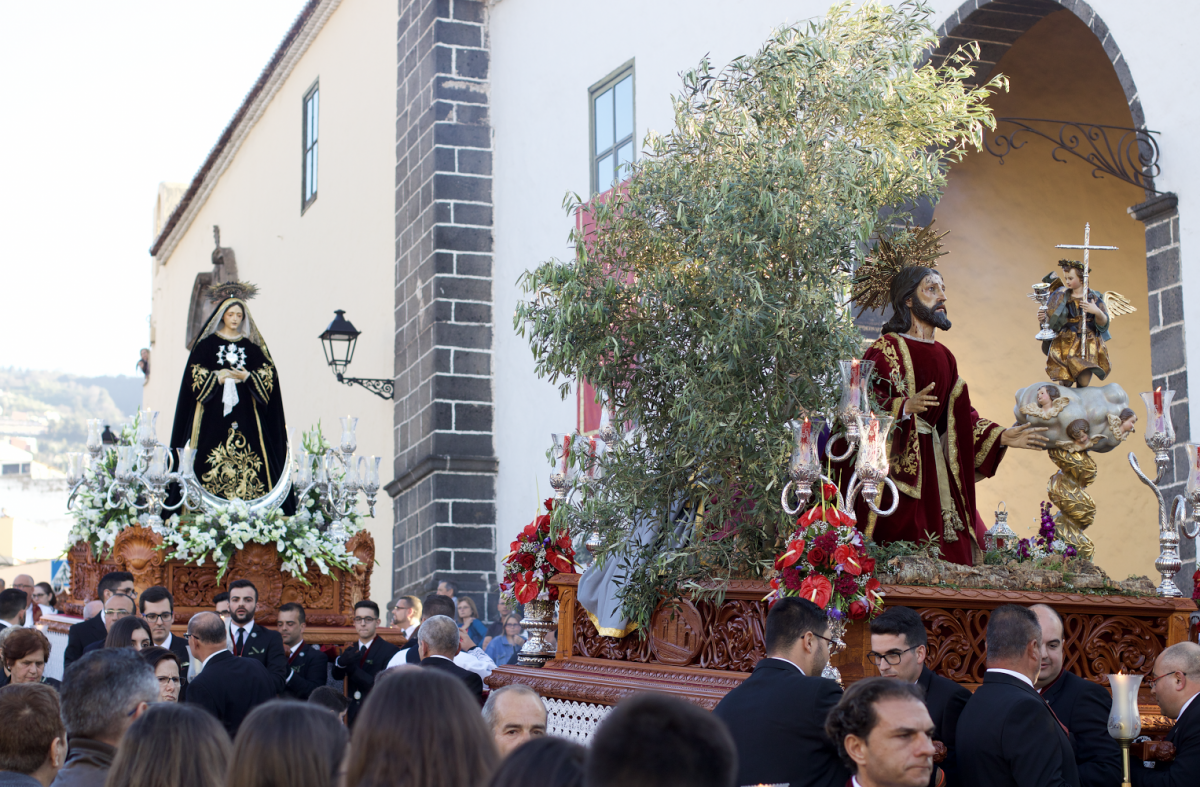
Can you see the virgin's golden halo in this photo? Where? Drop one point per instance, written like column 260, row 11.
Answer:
column 231, row 289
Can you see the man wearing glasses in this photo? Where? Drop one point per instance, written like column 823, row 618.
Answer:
column 366, row 658
column 115, row 608
column 777, row 715
column 1175, row 681
column 899, row 645
column 157, row 606
column 93, row 629
column 33, row 613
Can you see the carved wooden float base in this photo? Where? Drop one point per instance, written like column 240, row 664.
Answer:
column 699, row 650
column 328, row 599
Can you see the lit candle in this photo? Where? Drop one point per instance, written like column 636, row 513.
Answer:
column 1158, row 400
column 1124, row 721
column 566, row 453
column 855, row 379
column 806, row 433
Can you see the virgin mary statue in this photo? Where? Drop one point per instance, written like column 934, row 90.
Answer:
column 230, row 404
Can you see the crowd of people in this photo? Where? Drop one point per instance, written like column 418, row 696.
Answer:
column 234, row 703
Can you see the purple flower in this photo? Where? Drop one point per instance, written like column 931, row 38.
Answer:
column 834, row 613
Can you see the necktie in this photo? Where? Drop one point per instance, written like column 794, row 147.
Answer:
column 1050, row 708
column 241, row 641
column 294, row 652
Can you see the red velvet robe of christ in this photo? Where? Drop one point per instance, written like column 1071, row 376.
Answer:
column 971, row 445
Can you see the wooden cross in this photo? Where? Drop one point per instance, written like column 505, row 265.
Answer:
column 1087, row 235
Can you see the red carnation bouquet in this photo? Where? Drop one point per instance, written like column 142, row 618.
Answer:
column 534, row 558
column 826, row 562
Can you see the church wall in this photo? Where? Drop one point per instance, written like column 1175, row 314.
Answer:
column 1004, row 221
column 337, row 255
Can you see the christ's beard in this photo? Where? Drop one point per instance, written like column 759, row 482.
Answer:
column 937, row 319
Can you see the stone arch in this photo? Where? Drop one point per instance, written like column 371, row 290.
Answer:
column 996, row 26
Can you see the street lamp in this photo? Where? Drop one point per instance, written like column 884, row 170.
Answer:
column 338, row 342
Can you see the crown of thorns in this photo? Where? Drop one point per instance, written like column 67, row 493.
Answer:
column 894, row 251
column 242, row 290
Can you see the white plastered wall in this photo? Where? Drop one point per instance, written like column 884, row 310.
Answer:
column 338, row 255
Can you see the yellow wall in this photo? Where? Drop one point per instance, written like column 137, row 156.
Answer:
column 1004, row 222
column 338, row 255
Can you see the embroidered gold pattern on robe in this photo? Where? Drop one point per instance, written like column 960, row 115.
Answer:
column 985, row 447
column 266, row 377
column 199, row 376
column 235, row 468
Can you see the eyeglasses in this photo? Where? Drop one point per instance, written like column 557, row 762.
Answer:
column 165, row 679
column 160, row 617
column 891, row 657
column 1152, row 679
column 818, row 636
column 116, row 613
column 364, row 620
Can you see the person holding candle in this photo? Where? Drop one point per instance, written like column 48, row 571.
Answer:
column 1080, row 704
column 1175, row 682
column 940, row 444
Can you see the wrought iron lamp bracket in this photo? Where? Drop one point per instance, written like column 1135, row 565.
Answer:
column 1133, row 157
column 384, row 389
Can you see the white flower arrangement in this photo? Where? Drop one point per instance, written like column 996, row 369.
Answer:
column 197, row 536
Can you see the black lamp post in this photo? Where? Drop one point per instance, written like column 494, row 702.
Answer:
column 338, row 341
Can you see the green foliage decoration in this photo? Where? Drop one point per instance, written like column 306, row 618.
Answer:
column 706, row 298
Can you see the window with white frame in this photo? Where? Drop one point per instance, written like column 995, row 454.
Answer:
column 612, row 150
column 312, row 104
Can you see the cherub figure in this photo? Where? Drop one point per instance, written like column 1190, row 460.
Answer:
column 1120, row 426
column 1050, row 402
column 1081, row 438
column 1070, row 360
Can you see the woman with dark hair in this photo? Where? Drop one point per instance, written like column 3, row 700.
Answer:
column 503, row 649
column 543, row 762
column 172, row 745
column 166, row 669
column 25, row 653
column 470, row 623
column 43, row 596
column 129, row 632
column 285, row 742
column 420, row 728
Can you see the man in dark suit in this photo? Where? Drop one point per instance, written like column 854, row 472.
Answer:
column 884, row 733
column 80, row 635
column 251, row 640
column 1083, row 706
column 899, row 645
column 438, row 643
column 366, row 658
column 777, row 716
column 1007, row 735
column 157, row 608
column 1175, row 681
column 307, row 665
column 228, row 687
column 12, row 607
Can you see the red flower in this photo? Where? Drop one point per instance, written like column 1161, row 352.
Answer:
column 526, row 589
column 548, row 503
column 514, row 546
column 552, row 591
column 817, row 557
column 816, row 589
column 525, row 560
column 829, row 491
column 867, row 564
column 794, row 551
column 791, row 578
column 847, row 557
column 559, row 562
column 873, row 584
column 564, row 541
column 859, row 609
column 530, row 532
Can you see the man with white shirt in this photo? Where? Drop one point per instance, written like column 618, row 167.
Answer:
column 1008, row 736
column 366, row 658
column 884, row 733
column 777, row 715
column 307, row 665
column 12, row 607
column 227, row 687
column 1175, row 681
column 157, row 607
column 250, row 640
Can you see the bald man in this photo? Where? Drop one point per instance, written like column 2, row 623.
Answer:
column 33, row 613
column 1175, row 681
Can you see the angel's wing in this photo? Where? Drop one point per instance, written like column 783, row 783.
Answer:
column 1118, row 304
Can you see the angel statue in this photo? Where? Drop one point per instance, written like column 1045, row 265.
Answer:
column 1077, row 352
column 230, row 405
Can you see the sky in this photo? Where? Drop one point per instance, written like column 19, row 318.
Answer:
column 102, row 102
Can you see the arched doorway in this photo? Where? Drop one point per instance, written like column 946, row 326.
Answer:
column 1006, row 218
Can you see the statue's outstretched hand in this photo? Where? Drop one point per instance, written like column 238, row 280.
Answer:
column 1024, row 436
column 915, row 405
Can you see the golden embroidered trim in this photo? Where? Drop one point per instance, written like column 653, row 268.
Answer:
column 266, row 378
column 981, row 426
column 234, row 472
column 604, row 631
column 262, row 444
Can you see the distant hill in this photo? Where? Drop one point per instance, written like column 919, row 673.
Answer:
column 53, row 408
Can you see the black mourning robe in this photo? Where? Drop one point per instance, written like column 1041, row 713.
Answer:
column 240, row 455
